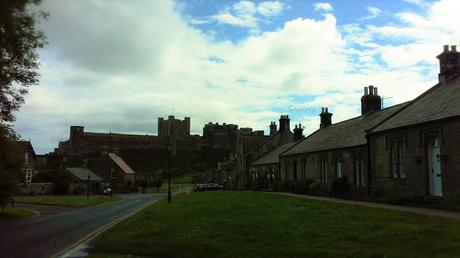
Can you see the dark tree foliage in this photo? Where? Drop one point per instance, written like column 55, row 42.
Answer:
column 11, row 160
column 19, row 40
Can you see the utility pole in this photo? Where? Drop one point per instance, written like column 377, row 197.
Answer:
column 169, row 169
column 87, row 187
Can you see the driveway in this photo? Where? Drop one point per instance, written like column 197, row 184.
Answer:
column 44, row 236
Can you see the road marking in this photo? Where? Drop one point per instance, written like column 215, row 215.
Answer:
column 67, row 252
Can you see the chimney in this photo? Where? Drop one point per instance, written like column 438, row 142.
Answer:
column 449, row 64
column 284, row 123
column 325, row 118
column 273, row 128
column 298, row 132
column 370, row 101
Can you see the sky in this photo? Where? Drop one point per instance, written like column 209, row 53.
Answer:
column 116, row 66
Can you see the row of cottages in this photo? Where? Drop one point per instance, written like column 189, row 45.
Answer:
column 407, row 149
column 235, row 172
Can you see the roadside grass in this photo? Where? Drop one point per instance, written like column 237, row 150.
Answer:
column 11, row 213
column 179, row 182
column 69, row 201
column 251, row 224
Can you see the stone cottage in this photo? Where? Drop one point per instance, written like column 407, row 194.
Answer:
column 337, row 150
column 416, row 151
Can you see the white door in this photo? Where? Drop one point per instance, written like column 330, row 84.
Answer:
column 435, row 170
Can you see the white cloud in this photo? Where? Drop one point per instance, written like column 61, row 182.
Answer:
column 374, row 12
column 327, row 7
column 119, row 68
column 421, row 3
column 246, row 13
column 270, row 8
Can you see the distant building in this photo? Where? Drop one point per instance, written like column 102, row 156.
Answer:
column 173, row 127
column 30, row 160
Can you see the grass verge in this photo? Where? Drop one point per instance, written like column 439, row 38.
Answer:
column 11, row 213
column 251, row 224
column 69, row 201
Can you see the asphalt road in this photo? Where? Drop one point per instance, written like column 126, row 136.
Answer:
column 44, row 236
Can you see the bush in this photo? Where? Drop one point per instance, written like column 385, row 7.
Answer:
column 79, row 189
column 302, row 186
column 340, row 187
column 61, row 185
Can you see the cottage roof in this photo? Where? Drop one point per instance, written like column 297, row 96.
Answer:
column 121, row 163
column 272, row 157
column 440, row 101
column 348, row 133
column 82, row 174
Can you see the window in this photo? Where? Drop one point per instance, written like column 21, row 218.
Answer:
column 28, row 175
column 338, row 168
column 396, row 157
column 323, row 171
column 359, row 171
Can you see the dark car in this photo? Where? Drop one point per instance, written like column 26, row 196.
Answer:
column 207, row 187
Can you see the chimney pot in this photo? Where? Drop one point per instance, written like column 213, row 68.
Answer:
column 446, row 48
column 453, row 48
column 375, row 91
column 366, row 91
column 371, row 90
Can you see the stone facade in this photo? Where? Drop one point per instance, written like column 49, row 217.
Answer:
column 173, row 127
column 415, row 175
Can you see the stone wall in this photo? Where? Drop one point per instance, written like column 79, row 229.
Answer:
column 34, row 189
column 416, row 179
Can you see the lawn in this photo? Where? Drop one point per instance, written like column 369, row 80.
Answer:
column 251, row 224
column 69, row 201
column 11, row 213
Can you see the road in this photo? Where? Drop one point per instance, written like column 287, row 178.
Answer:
column 44, row 236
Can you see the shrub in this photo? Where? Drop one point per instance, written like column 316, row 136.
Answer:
column 79, row 189
column 61, row 185
column 340, row 187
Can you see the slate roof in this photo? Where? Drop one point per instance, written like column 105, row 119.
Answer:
column 82, row 174
column 348, row 133
column 273, row 156
column 440, row 101
column 121, row 163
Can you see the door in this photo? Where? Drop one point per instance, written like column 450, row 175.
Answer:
column 435, row 169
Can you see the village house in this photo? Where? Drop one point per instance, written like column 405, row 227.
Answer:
column 114, row 170
column 416, row 151
column 265, row 171
column 410, row 149
column 30, row 160
column 337, row 150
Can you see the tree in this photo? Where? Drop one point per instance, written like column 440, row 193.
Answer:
column 19, row 41
column 11, row 162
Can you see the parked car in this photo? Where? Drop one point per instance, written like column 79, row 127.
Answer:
column 106, row 191
column 207, row 187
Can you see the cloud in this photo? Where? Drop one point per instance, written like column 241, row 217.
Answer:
column 421, row 3
column 120, row 68
column 326, row 7
column 270, row 8
column 374, row 12
column 247, row 14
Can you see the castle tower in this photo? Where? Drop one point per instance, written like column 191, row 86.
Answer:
column 326, row 118
column 76, row 131
column 273, row 128
column 370, row 101
column 449, row 64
